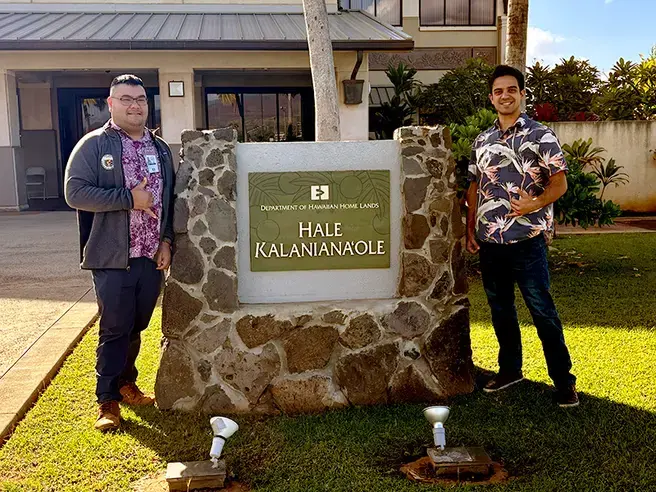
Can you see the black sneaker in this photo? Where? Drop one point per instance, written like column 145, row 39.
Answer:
column 503, row 381
column 567, row 397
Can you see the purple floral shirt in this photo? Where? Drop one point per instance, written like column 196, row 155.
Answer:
column 144, row 229
column 523, row 157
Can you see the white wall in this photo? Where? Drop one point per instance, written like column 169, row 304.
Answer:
column 633, row 145
column 292, row 286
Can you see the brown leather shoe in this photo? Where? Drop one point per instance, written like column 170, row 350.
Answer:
column 109, row 416
column 132, row 395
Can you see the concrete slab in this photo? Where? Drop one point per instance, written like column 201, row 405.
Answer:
column 192, row 475
column 21, row 385
column 40, row 277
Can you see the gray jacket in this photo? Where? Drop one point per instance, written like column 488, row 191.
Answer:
column 102, row 201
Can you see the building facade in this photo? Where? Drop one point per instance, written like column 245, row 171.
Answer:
column 205, row 64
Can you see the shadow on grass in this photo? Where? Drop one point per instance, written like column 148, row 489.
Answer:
column 601, row 445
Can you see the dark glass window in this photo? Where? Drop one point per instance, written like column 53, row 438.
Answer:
column 457, row 12
column 257, row 117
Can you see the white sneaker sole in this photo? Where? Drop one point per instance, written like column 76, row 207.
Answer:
column 490, row 390
column 568, row 405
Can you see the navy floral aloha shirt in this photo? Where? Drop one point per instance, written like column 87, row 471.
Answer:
column 523, row 157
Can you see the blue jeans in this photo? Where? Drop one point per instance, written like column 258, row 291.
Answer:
column 524, row 263
column 126, row 300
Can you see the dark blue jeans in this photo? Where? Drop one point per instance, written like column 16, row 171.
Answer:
column 524, row 263
column 126, row 300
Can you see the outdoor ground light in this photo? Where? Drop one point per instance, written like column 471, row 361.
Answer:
column 223, row 428
column 436, row 416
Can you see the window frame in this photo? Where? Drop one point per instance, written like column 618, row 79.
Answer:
column 462, row 26
column 375, row 14
column 240, row 91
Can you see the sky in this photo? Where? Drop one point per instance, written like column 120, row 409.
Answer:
column 601, row 31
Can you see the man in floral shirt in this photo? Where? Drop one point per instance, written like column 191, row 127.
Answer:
column 517, row 171
column 120, row 179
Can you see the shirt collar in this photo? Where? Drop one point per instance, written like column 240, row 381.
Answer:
column 521, row 122
column 114, row 126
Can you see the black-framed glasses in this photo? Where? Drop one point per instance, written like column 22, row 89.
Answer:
column 128, row 101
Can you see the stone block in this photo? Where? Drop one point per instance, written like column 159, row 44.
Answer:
column 314, row 394
column 226, row 258
column 448, row 352
column 409, row 319
column 216, row 401
column 258, row 330
column 175, row 376
column 187, row 265
column 208, row 340
column 334, row 317
column 180, row 216
column 227, row 185
column 364, row 376
column 178, row 310
column 222, row 220
column 413, row 385
column 442, row 286
column 310, row 348
column 439, row 250
column 248, row 372
column 208, row 245
column 206, row 177
column 220, row 290
column 414, row 192
column 188, row 136
column 417, row 274
column 362, row 331
column 415, row 231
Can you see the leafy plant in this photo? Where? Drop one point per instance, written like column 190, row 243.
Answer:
column 630, row 92
column 564, row 92
column 463, row 137
column 610, row 174
column 460, row 93
column 399, row 110
column 580, row 204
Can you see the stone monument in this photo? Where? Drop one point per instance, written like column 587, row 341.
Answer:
column 309, row 276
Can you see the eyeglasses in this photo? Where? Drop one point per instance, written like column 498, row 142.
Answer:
column 127, row 100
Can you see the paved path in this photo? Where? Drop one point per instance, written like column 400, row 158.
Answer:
column 46, row 305
column 40, row 277
column 621, row 225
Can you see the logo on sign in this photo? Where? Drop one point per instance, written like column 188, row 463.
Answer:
column 321, row 192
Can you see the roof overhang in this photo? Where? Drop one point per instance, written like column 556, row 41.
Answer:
column 47, row 30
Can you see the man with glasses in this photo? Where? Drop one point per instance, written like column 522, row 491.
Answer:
column 120, row 179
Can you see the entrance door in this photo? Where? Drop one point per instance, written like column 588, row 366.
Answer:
column 84, row 110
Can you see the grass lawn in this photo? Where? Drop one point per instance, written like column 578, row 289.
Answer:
column 604, row 287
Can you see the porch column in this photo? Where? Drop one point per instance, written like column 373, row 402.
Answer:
column 353, row 118
column 177, row 113
column 12, row 185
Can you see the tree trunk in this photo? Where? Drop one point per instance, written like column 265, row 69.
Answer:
column 323, row 71
column 517, row 30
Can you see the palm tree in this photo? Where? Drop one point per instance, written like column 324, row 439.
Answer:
column 323, row 70
column 517, row 30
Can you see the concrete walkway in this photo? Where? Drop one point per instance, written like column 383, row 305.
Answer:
column 46, row 304
column 621, row 225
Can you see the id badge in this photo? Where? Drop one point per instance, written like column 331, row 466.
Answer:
column 152, row 163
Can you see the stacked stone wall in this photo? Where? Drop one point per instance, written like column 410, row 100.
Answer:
column 222, row 357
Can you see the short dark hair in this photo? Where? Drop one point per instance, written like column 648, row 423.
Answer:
column 127, row 79
column 502, row 71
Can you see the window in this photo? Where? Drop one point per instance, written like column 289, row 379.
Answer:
column 257, row 117
column 457, row 12
column 390, row 11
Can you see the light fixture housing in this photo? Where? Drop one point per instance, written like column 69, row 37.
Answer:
column 176, row 88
